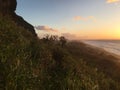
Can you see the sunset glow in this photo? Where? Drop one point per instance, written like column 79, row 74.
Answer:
column 81, row 19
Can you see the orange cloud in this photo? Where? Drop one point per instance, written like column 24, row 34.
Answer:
column 45, row 28
column 112, row 1
column 78, row 18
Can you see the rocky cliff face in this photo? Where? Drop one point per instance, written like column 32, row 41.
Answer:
column 8, row 7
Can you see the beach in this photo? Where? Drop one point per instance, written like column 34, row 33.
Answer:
column 103, row 50
column 112, row 46
column 100, row 58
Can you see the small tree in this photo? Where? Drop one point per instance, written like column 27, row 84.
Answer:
column 54, row 38
column 63, row 41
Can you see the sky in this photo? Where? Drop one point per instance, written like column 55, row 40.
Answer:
column 74, row 19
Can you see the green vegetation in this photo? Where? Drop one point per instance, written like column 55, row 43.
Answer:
column 28, row 63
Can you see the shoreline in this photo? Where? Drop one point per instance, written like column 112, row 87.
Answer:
column 96, row 54
column 103, row 60
column 101, row 50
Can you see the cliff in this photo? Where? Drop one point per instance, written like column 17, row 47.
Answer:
column 8, row 7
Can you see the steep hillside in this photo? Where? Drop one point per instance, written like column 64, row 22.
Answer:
column 96, row 57
column 28, row 63
column 8, row 7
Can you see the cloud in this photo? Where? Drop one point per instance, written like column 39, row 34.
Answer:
column 112, row 1
column 80, row 18
column 77, row 18
column 69, row 36
column 45, row 28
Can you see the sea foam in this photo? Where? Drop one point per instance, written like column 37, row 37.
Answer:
column 112, row 46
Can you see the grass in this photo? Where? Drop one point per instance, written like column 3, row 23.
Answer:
column 28, row 63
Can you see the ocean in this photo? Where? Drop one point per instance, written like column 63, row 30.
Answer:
column 112, row 46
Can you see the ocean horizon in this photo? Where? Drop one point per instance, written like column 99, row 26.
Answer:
column 112, row 46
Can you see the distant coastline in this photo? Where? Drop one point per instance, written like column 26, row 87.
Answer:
column 111, row 46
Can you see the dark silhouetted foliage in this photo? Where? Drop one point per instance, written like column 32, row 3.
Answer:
column 63, row 41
